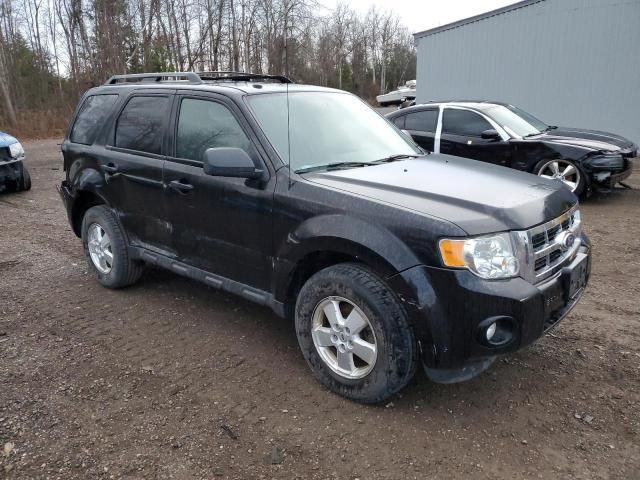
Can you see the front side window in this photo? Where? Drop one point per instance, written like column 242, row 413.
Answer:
column 91, row 117
column 324, row 128
column 424, row 121
column 463, row 122
column 204, row 124
column 141, row 124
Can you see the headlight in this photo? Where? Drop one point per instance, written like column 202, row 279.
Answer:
column 489, row 257
column 16, row 150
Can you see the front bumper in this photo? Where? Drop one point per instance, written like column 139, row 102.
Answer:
column 449, row 309
column 10, row 171
column 609, row 177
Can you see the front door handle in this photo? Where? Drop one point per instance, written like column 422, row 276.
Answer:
column 180, row 187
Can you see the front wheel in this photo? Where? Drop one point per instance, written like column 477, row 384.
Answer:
column 25, row 183
column 564, row 171
column 354, row 334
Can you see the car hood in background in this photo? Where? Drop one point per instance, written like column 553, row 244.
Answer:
column 478, row 197
column 6, row 140
column 589, row 139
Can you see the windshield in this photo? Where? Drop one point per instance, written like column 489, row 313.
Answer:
column 327, row 128
column 515, row 121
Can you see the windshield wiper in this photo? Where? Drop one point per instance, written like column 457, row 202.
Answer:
column 393, row 158
column 549, row 128
column 333, row 166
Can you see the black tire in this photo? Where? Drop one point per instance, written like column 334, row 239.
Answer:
column 582, row 180
column 123, row 271
column 25, row 183
column 396, row 346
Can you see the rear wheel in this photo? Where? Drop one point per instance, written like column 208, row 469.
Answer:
column 354, row 334
column 105, row 248
column 564, row 171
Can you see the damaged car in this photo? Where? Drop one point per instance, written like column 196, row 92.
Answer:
column 505, row 135
column 14, row 175
column 384, row 258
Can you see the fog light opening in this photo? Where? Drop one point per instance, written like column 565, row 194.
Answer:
column 491, row 331
column 496, row 331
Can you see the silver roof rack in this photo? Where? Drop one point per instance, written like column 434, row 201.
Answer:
column 189, row 77
column 195, row 78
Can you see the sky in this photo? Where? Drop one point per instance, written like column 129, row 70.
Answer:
column 419, row 15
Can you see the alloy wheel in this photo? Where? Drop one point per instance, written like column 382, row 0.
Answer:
column 100, row 250
column 344, row 337
column 561, row 170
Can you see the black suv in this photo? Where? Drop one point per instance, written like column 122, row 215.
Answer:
column 304, row 199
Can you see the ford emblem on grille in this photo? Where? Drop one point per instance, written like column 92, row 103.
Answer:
column 566, row 240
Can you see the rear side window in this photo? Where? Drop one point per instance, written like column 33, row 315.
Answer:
column 204, row 124
column 141, row 124
column 91, row 117
column 424, row 121
column 463, row 122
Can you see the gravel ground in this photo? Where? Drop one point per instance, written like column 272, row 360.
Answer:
column 171, row 379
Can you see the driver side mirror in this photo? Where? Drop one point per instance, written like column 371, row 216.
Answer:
column 230, row 162
column 491, row 134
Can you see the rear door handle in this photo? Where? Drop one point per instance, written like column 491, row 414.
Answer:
column 179, row 186
column 110, row 168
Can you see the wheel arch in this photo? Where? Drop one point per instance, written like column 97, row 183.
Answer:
column 84, row 200
column 328, row 240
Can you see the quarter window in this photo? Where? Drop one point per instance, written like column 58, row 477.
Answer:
column 423, row 121
column 399, row 121
column 463, row 122
column 204, row 124
column 141, row 124
column 91, row 116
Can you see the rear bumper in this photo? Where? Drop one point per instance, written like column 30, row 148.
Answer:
column 450, row 310
column 67, row 199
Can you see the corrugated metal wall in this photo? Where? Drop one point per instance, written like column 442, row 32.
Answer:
column 569, row 62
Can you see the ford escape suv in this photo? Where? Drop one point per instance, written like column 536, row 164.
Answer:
column 304, row 199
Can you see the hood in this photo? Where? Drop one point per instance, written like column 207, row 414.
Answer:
column 6, row 140
column 592, row 140
column 478, row 197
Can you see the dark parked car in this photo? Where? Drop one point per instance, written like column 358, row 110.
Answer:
column 14, row 175
column 506, row 135
column 384, row 257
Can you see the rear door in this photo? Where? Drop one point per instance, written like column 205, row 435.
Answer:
column 132, row 162
column 221, row 225
column 422, row 126
column 462, row 136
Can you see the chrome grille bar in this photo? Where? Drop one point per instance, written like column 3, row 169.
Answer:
column 544, row 249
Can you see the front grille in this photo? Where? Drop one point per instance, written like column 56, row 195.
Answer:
column 547, row 246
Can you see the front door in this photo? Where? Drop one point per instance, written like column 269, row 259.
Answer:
column 462, row 136
column 221, row 225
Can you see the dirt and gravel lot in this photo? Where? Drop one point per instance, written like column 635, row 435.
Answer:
column 171, row 379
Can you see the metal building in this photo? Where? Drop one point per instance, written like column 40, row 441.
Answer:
column 569, row 62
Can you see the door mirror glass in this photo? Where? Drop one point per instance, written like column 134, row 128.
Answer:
column 491, row 134
column 230, row 162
